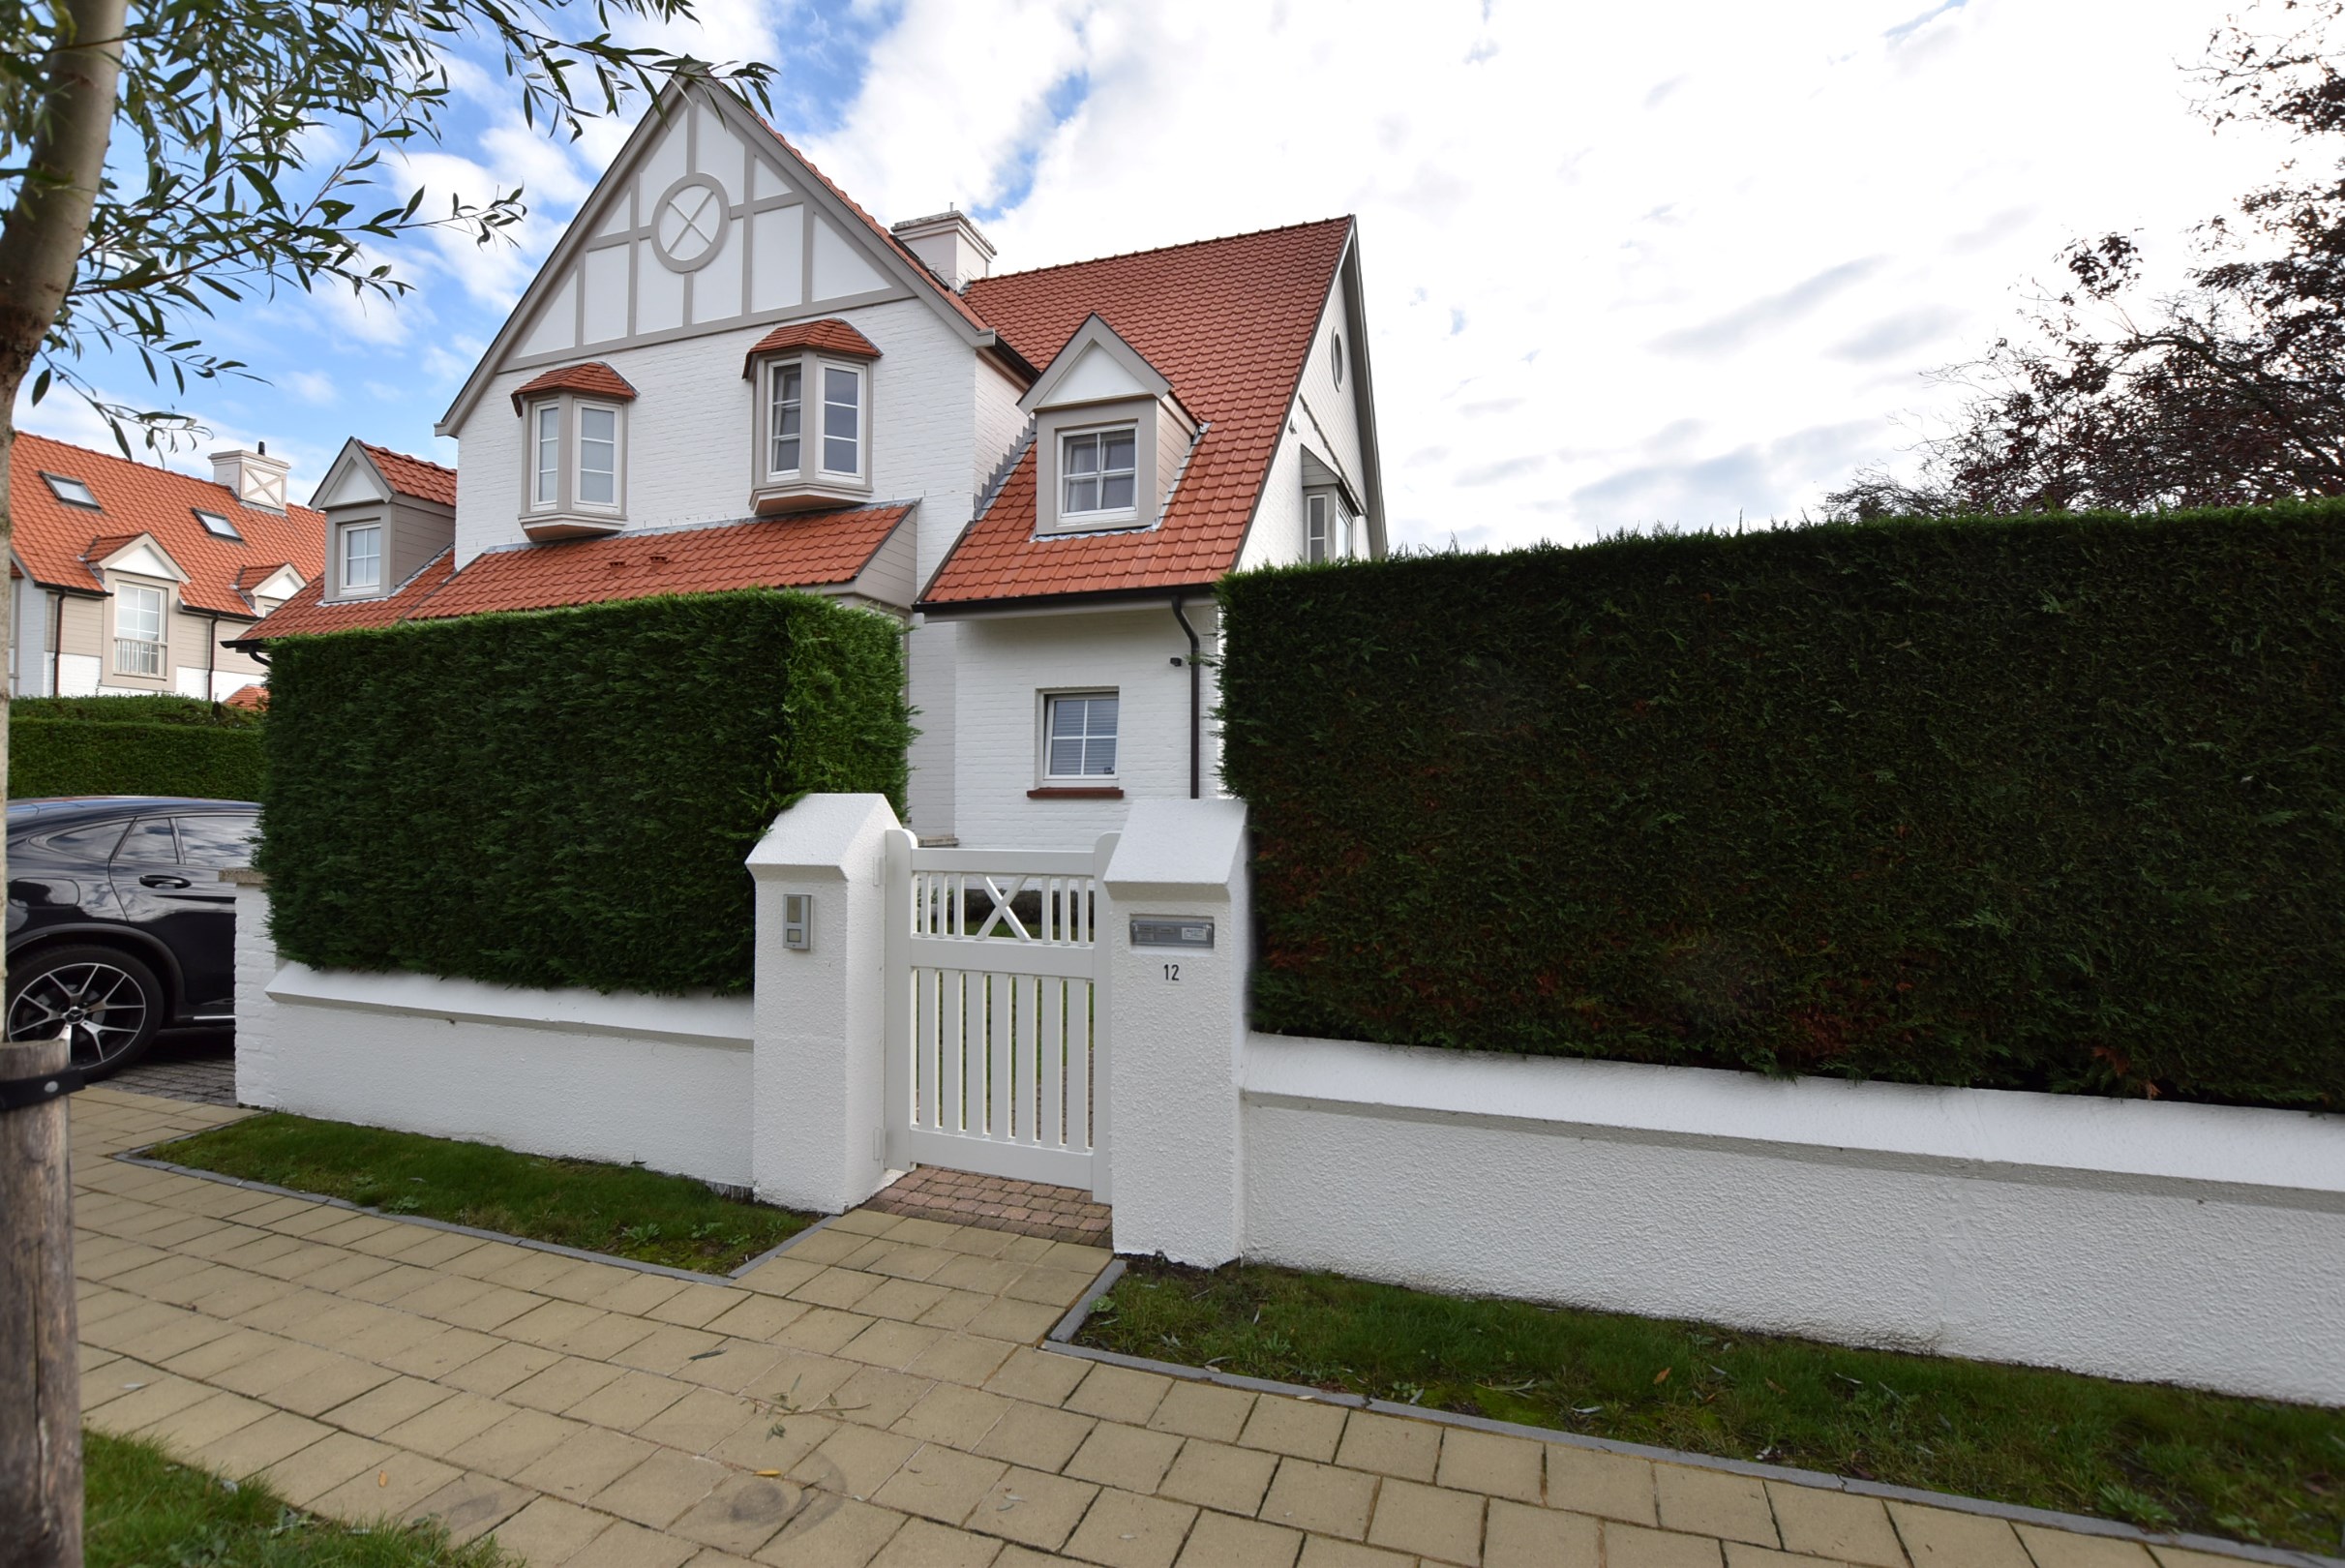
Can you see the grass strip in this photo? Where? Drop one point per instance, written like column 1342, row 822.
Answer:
column 625, row 1210
column 2162, row 1457
column 142, row 1509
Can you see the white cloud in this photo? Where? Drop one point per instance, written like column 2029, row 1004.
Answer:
column 64, row 417
column 1746, row 228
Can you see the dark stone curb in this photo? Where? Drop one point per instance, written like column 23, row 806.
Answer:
column 140, row 1156
column 1062, row 1338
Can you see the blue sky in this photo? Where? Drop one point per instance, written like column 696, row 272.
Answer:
column 1626, row 266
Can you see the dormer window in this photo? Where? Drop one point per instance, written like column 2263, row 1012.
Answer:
column 362, row 558
column 574, row 452
column 72, row 491
column 1327, row 530
column 842, row 421
column 813, row 381
column 786, row 404
column 217, row 526
column 1099, row 474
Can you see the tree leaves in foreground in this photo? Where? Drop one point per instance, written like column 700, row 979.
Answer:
column 2231, row 391
column 251, row 145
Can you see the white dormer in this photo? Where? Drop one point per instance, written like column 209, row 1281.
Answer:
column 1110, row 438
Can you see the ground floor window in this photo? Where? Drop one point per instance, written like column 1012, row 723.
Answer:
column 1079, row 729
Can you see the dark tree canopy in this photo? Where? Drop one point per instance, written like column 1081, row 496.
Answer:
column 2230, row 391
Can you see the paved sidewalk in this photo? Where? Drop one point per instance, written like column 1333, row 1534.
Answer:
column 996, row 1203
column 206, row 1080
column 872, row 1398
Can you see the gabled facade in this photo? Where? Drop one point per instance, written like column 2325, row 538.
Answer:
column 729, row 373
column 127, row 578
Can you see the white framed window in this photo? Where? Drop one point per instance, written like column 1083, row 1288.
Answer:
column 72, row 491
column 217, row 526
column 362, row 558
column 1335, row 346
column 1315, row 529
column 546, row 455
column 1098, row 472
column 598, row 456
column 1079, row 734
column 137, row 630
column 842, row 420
column 786, row 412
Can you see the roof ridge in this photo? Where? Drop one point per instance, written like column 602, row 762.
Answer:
column 1160, row 250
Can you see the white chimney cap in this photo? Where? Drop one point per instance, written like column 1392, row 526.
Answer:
column 951, row 246
column 254, row 478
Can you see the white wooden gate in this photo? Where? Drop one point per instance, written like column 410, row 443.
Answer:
column 997, row 1018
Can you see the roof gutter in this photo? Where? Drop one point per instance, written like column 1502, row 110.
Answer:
column 1058, row 603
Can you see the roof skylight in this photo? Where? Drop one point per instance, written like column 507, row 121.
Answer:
column 217, row 526
column 72, row 491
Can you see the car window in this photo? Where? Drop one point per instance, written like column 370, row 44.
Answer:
column 91, row 841
column 149, row 842
column 218, row 842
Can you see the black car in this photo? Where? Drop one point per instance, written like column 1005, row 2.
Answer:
column 118, row 924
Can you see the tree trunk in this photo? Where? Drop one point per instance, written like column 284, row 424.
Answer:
column 40, row 1387
column 40, row 1374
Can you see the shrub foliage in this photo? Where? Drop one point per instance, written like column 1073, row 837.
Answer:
column 563, row 798
column 132, row 745
column 2050, row 805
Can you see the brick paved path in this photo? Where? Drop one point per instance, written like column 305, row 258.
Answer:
column 996, row 1203
column 872, row 1398
column 206, row 1080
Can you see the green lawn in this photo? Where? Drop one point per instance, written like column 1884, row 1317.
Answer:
column 620, row 1209
column 142, row 1510
column 2159, row 1457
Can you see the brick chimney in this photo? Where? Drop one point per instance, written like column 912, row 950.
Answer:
column 950, row 244
column 254, row 478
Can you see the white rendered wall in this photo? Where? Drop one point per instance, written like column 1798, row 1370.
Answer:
column 1005, row 661
column 664, row 1081
column 2194, row 1243
column 78, row 675
column 1330, row 414
column 29, row 668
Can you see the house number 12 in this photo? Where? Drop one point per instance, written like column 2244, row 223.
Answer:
column 1172, row 972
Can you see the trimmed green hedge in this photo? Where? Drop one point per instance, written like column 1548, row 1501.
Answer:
column 143, row 708
column 563, row 798
column 86, row 755
column 2049, row 805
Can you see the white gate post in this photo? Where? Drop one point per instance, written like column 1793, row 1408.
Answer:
column 1177, row 1005
column 819, row 1038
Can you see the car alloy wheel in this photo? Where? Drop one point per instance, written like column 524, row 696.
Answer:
column 106, row 1010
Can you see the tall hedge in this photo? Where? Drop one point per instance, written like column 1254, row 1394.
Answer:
column 88, row 756
column 563, row 798
column 2046, row 804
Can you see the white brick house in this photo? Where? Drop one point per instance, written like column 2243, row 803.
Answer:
column 727, row 360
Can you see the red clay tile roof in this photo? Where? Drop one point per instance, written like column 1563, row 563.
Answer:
column 56, row 541
column 429, row 481
column 808, row 550
column 1230, row 323
column 306, row 612
column 594, row 376
column 830, row 335
column 253, row 698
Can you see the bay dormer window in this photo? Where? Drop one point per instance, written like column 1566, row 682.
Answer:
column 813, row 394
column 574, row 453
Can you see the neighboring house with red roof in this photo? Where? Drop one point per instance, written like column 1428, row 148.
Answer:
column 729, row 375
column 128, row 577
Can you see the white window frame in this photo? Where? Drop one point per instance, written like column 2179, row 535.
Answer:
column 1334, row 343
column 349, row 533
column 575, row 471
column 772, row 436
column 1315, row 529
column 1047, row 709
column 824, row 370
column 539, row 469
column 125, row 595
column 1098, row 516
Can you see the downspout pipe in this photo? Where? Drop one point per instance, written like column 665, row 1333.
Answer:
column 1196, row 699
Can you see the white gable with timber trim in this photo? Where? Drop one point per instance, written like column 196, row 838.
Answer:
column 706, row 222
